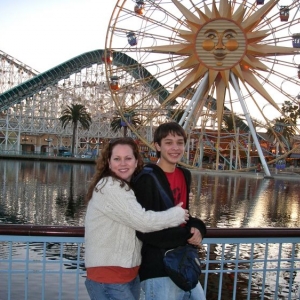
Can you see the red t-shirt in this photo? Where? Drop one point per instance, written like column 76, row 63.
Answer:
column 178, row 186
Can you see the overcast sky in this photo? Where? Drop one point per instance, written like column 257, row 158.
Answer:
column 45, row 33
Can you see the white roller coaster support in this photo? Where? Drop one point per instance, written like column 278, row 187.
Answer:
column 197, row 96
column 250, row 125
column 248, row 151
column 231, row 154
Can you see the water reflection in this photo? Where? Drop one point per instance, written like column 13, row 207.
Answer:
column 44, row 193
column 236, row 201
column 50, row 193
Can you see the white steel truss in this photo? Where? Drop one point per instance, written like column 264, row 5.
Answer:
column 34, row 126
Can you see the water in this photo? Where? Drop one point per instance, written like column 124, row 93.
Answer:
column 241, row 201
column 43, row 193
column 51, row 193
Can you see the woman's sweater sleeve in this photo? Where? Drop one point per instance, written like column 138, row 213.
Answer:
column 121, row 205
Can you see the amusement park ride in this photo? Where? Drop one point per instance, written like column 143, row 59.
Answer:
column 201, row 63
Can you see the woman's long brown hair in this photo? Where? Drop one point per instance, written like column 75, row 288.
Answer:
column 102, row 163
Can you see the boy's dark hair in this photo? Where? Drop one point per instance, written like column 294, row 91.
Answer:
column 168, row 128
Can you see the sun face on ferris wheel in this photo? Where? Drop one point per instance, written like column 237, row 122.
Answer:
column 220, row 41
column 205, row 59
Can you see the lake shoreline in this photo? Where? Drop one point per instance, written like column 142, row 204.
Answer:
column 280, row 174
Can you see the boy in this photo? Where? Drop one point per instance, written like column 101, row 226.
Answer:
column 169, row 141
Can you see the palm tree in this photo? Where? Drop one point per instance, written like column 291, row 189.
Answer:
column 228, row 123
column 176, row 114
column 75, row 113
column 232, row 121
column 284, row 130
column 291, row 110
column 117, row 122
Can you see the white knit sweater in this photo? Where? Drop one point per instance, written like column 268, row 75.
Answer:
column 113, row 215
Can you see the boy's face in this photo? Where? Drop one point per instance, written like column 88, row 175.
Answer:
column 171, row 148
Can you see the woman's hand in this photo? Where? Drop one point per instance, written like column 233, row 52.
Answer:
column 187, row 215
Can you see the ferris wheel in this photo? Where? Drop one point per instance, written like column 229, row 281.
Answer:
column 210, row 65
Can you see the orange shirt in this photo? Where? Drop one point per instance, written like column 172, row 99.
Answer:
column 112, row 274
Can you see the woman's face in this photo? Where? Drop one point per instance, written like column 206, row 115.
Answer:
column 122, row 161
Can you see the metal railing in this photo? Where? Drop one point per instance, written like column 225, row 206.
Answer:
column 47, row 262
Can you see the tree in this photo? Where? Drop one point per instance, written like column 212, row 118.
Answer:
column 283, row 129
column 232, row 121
column 228, row 123
column 117, row 122
column 291, row 110
column 75, row 113
column 176, row 115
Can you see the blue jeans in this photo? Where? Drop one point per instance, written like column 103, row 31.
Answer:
column 114, row 291
column 163, row 288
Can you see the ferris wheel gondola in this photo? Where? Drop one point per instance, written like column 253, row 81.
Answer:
column 295, row 19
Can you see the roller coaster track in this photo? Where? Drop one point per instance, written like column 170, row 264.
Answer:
column 17, row 63
column 52, row 76
column 64, row 70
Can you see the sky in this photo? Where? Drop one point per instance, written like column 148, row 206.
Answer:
column 45, row 33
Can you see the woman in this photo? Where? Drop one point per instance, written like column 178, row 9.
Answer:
column 112, row 250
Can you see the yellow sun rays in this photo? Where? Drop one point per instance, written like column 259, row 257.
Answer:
column 242, row 51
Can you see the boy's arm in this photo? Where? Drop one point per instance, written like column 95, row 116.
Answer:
column 197, row 223
column 194, row 222
column 167, row 238
column 148, row 196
